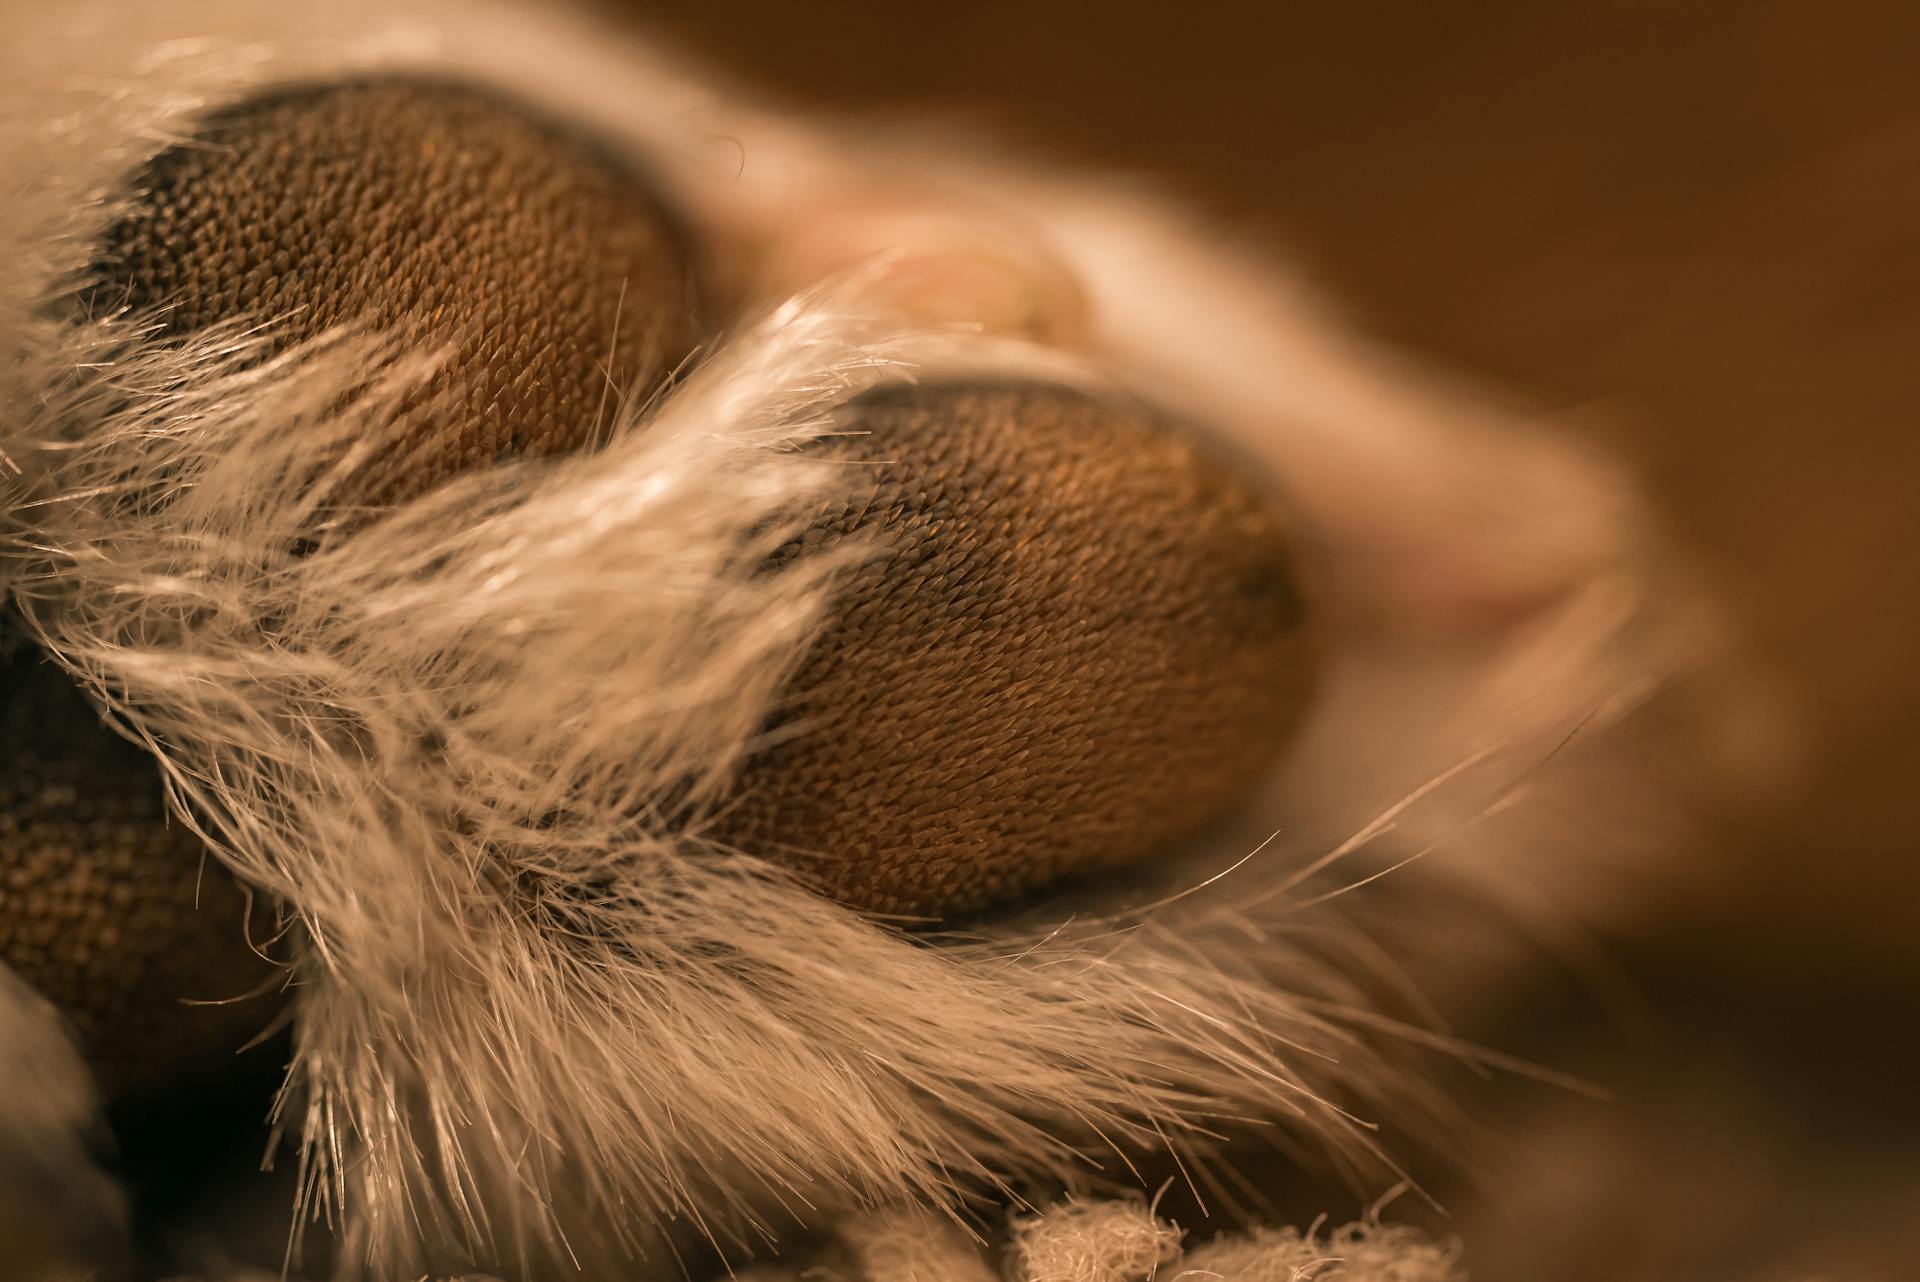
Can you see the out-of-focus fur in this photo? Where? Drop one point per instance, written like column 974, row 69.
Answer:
column 532, row 1011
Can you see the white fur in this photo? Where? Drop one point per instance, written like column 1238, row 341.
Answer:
column 521, row 1007
column 1121, row 1241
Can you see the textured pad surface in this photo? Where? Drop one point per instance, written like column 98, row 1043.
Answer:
column 111, row 912
column 542, row 271
column 1082, row 637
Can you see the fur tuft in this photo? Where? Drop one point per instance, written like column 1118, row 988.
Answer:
column 499, row 710
column 466, row 744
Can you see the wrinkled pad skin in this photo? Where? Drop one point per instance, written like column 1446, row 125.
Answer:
column 113, row 913
column 1080, row 635
column 539, row 269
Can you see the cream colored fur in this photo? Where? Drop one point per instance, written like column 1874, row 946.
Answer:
column 531, row 1026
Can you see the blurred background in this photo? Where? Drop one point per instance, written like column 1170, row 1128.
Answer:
column 1688, row 230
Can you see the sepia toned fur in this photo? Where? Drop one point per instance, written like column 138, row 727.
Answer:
column 469, row 747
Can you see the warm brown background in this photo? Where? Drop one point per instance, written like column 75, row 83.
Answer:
column 1697, row 223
